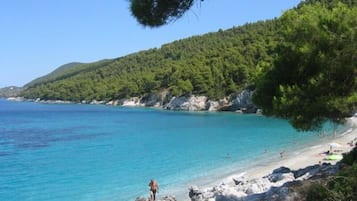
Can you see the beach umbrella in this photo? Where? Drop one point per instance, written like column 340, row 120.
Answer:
column 334, row 145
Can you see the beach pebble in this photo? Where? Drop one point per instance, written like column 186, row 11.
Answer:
column 238, row 180
column 272, row 187
column 276, row 193
column 281, row 177
column 163, row 198
column 226, row 198
column 281, row 170
column 258, row 186
column 303, row 171
column 167, row 198
column 194, row 193
column 208, row 194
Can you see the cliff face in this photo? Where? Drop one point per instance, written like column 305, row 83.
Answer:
column 241, row 102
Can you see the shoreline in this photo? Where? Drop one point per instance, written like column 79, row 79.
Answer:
column 294, row 160
column 240, row 104
column 265, row 165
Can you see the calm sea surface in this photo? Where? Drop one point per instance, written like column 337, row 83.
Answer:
column 94, row 152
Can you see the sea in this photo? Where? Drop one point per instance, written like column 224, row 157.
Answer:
column 66, row 152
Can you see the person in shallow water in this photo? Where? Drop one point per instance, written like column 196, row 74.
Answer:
column 154, row 187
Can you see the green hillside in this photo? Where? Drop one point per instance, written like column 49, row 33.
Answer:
column 215, row 64
column 65, row 71
column 219, row 64
column 11, row 91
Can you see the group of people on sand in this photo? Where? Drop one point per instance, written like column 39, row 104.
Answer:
column 154, row 186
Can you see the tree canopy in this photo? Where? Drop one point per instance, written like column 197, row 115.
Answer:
column 313, row 78
column 155, row 13
column 302, row 65
column 215, row 64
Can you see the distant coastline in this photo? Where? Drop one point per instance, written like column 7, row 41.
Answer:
column 10, row 91
column 241, row 102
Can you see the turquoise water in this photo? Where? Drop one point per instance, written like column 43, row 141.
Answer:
column 95, row 152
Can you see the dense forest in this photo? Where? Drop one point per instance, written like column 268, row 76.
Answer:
column 215, row 65
column 314, row 74
column 301, row 65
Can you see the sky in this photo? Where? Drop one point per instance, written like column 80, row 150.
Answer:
column 38, row 36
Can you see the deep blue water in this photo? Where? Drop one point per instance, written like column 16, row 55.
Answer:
column 95, row 152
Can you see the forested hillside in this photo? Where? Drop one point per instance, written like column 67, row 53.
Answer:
column 11, row 91
column 225, row 62
column 66, row 71
column 214, row 64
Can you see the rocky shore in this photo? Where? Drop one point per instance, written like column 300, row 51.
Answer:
column 273, row 187
column 276, row 186
column 279, row 180
column 240, row 102
column 255, row 184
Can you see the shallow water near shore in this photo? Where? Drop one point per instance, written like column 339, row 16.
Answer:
column 96, row 152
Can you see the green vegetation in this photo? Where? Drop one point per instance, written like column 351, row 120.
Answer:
column 155, row 13
column 313, row 78
column 342, row 187
column 303, row 66
column 215, row 65
column 67, row 70
column 11, row 91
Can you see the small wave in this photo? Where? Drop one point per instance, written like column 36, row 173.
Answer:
column 315, row 147
column 241, row 174
column 347, row 132
column 234, row 176
column 299, row 151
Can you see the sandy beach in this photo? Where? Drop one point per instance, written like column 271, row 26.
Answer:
column 297, row 159
column 313, row 155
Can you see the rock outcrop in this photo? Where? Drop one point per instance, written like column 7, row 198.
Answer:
column 188, row 103
column 163, row 198
column 241, row 102
column 274, row 186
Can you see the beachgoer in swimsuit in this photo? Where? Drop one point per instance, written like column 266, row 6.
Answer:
column 154, row 187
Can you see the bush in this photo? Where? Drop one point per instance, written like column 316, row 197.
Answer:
column 317, row 192
column 350, row 158
column 342, row 187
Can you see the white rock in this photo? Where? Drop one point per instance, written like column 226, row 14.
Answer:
column 133, row 101
column 213, row 105
column 258, row 186
column 191, row 103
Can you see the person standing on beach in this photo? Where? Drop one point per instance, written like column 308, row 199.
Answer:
column 282, row 154
column 154, row 187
